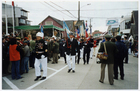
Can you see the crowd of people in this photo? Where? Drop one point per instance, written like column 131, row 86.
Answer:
column 18, row 54
column 118, row 49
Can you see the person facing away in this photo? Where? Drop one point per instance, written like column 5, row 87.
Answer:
column 127, row 45
column 111, row 50
column 119, row 57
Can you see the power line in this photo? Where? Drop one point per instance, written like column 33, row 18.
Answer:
column 102, row 9
column 64, row 9
column 99, row 17
column 58, row 10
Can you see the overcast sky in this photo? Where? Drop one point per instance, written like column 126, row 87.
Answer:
column 97, row 11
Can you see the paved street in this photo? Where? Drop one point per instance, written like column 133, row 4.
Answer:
column 85, row 77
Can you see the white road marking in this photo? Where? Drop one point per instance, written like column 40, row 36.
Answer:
column 31, row 87
column 52, row 69
column 10, row 83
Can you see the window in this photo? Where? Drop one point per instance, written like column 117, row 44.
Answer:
column 127, row 25
column 24, row 13
column 28, row 22
column 49, row 23
column 22, row 21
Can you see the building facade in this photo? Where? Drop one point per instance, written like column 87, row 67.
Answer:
column 21, row 16
column 134, row 25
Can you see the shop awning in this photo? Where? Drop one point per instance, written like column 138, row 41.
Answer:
column 36, row 27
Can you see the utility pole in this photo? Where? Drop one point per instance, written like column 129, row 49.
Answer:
column 90, row 26
column 6, row 19
column 13, row 18
column 78, row 10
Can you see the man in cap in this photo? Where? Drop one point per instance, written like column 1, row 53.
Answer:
column 71, row 47
column 111, row 50
column 41, row 56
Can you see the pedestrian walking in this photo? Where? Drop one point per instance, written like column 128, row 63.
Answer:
column 130, row 46
column 119, row 57
column 127, row 45
column 80, row 50
column 71, row 49
column 87, row 48
column 81, row 47
column 111, row 50
column 41, row 57
column 91, row 48
column 94, row 47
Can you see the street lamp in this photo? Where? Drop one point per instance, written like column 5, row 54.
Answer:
column 79, row 9
column 85, row 5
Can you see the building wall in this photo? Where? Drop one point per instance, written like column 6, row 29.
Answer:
column 9, row 11
column 54, row 22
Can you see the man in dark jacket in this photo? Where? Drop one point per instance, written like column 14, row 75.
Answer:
column 111, row 50
column 118, row 62
column 87, row 49
column 127, row 45
column 71, row 47
column 80, row 51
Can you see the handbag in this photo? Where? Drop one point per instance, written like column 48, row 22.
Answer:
column 103, row 55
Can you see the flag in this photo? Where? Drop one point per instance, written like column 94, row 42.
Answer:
column 41, row 27
column 86, row 30
column 12, row 3
column 78, row 33
column 75, row 32
column 67, row 29
column 13, row 17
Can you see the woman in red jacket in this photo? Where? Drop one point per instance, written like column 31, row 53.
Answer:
column 14, row 55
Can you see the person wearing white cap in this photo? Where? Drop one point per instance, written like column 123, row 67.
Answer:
column 40, row 56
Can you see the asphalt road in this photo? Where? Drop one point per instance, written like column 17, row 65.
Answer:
column 86, row 77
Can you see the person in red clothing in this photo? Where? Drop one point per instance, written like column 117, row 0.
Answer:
column 94, row 46
column 14, row 55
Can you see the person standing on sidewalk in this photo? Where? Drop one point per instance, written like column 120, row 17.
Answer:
column 55, row 50
column 25, row 59
column 14, row 55
column 32, row 56
column 41, row 56
column 111, row 50
column 71, row 47
column 119, row 57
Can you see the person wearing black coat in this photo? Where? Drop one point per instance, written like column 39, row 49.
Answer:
column 71, row 47
column 87, row 49
column 119, row 57
column 41, row 50
column 80, row 46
